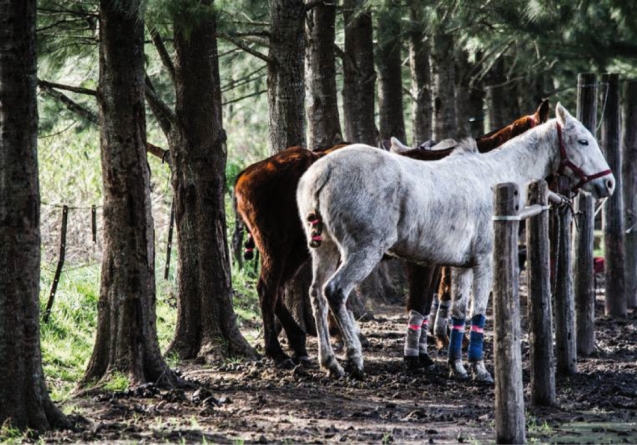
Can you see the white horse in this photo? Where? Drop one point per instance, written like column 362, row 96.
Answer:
column 363, row 203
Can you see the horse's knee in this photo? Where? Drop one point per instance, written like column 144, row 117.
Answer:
column 334, row 294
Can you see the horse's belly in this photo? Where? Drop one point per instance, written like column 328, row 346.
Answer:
column 438, row 250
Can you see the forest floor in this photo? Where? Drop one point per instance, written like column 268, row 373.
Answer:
column 250, row 402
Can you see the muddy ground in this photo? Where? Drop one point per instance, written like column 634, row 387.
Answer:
column 253, row 403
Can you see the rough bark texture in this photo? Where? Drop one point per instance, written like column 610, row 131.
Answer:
column 500, row 97
column 322, row 106
column 462, row 87
column 206, row 322
column 126, row 339
column 629, row 176
column 24, row 400
column 286, row 71
column 420, row 75
column 442, row 71
column 358, row 74
column 390, row 85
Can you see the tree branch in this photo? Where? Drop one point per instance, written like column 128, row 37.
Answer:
column 245, row 97
column 240, row 44
column 163, row 113
column 92, row 117
column 59, row 86
column 166, row 60
column 68, row 102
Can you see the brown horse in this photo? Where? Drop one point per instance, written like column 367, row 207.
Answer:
column 266, row 202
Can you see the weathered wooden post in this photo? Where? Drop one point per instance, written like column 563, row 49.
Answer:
column 629, row 178
column 540, row 312
column 509, row 399
column 583, row 247
column 565, row 341
column 613, row 211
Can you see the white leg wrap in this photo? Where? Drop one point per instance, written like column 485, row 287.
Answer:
column 413, row 334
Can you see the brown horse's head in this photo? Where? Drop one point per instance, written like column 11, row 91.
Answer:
column 498, row 137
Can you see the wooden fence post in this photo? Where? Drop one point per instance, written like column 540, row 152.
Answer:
column 613, row 211
column 540, row 312
column 565, row 341
column 629, row 177
column 583, row 243
column 509, row 398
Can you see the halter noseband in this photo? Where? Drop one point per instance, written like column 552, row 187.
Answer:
column 565, row 163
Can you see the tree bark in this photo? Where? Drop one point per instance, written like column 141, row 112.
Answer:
column 25, row 402
column 462, row 88
column 206, row 322
column 286, row 71
column 420, row 75
column 442, row 71
column 126, row 339
column 358, row 74
column 390, row 85
column 324, row 127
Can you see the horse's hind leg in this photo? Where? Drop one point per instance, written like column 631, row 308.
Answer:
column 324, row 263
column 268, row 296
column 441, row 322
column 418, row 306
column 296, row 336
column 355, row 267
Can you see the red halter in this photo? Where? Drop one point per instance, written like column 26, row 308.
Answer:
column 565, row 163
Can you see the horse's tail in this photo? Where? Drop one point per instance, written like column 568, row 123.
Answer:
column 314, row 217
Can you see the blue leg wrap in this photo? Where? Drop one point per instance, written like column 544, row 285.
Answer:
column 455, row 342
column 476, row 338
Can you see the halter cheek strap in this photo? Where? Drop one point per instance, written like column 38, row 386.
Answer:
column 565, row 163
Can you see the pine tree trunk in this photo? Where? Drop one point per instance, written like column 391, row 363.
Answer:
column 442, row 69
column 126, row 339
column 24, row 399
column 358, row 74
column 390, row 103
column 322, row 106
column 206, row 322
column 462, row 88
column 286, row 71
column 420, row 75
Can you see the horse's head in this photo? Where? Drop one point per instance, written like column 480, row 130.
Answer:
column 580, row 158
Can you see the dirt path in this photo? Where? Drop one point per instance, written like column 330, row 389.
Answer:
column 251, row 403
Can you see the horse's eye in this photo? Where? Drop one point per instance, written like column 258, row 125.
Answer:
column 583, row 141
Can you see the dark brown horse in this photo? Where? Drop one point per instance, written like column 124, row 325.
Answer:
column 266, row 202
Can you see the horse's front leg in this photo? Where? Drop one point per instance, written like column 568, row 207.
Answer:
column 460, row 288
column 324, row 262
column 482, row 282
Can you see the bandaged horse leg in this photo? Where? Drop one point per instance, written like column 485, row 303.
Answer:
column 482, row 279
column 423, row 355
column 460, row 286
column 442, row 316
column 432, row 315
column 411, row 351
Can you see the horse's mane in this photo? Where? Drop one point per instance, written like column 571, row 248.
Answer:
column 465, row 147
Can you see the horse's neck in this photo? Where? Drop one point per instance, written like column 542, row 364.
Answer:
column 530, row 156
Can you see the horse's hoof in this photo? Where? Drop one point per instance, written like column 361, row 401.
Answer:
column 412, row 363
column 285, row 364
column 457, row 370
column 302, row 360
column 357, row 374
column 336, row 372
column 426, row 361
column 480, row 373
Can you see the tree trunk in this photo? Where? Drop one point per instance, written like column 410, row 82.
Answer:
column 462, row 88
column 206, row 322
column 442, row 70
column 501, row 97
column 390, row 102
column 126, row 339
column 420, row 75
column 322, row 106
column 286, row 87
column 25, row 402
column 358, row 74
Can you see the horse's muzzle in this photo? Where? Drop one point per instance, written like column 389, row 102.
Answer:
column 603, row 187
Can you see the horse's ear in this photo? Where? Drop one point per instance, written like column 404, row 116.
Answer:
column 396, row 146
column 542, row 113
column 563, row 117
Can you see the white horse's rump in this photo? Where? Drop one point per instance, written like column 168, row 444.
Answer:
column 371, row 202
